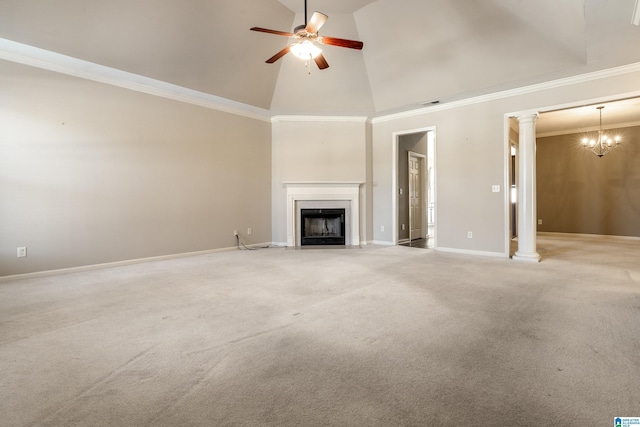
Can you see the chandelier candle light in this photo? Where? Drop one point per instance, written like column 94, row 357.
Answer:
column 603, row 144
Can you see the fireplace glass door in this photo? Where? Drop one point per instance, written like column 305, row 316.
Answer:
column 322, row 227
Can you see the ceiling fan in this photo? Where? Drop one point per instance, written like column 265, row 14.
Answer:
column 306, row 35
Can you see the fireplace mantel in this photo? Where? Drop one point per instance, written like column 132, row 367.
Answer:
column 323, row 191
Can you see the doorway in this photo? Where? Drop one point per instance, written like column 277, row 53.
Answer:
column 414, row 184
column 512, row 182
column 417, row 205
column 513, row 198
column 561, row 168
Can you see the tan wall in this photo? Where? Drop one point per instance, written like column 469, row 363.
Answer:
column 91, row 173
column 581, row 193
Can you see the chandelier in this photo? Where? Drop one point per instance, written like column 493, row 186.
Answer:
column 601, row 143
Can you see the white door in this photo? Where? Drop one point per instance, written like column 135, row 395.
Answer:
column 416, row 201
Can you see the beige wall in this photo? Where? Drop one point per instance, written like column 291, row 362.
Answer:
column 469, row 159
column 471, row 155
column 581, row 193
column 91, row 173
column 317, row 149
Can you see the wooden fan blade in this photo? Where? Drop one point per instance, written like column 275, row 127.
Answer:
column 351, row 44
column 316, row 22
column 266, row 30
column 278, row 55
column 321, row 62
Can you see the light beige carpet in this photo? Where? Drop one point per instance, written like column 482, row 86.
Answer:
column 378, row 336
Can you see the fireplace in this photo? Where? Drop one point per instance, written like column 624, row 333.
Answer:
column 325, row 197
column 322, row 227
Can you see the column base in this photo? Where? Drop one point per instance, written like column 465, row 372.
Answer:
column 526, row 256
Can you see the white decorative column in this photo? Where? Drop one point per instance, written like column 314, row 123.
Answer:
column 527, row 210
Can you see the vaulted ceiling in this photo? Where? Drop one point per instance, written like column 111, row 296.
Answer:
column 415, row 51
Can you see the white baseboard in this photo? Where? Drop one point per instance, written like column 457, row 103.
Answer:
column 381, row 242
column 472, row 252
column 91, row 267
column 587, row 236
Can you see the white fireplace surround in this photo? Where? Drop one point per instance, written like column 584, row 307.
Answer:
column 321, row 195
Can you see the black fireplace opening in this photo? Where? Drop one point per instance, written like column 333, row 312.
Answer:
column 322, row 227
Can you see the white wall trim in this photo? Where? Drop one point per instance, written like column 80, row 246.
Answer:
column 92, row 267
column 381, row 243
column 395, row 211
column 602, row 237
column 635, row 19
column 330, row 191
column 307, row 119
column 52, row 61
column 576, row 104
column 552, row 84
column 506, row 185
column 472, row 252
column 588, row 129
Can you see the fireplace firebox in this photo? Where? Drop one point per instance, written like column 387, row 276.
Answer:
column 322, row 227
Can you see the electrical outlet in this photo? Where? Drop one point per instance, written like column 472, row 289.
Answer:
column 21, row 252
column 539, row 222
column 249, row 231
column 382, row 228
column 469, row 235
column 235, row 233
column 495, row 188
column 403, row 227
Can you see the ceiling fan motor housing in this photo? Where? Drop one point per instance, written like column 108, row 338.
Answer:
column 301, row 31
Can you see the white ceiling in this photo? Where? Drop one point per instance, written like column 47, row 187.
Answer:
column 326, row 6
column 415, row 51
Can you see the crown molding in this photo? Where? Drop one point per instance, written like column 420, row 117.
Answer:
column 552, row 84
column 588, row 129
column 307, row 119
column 52, row 61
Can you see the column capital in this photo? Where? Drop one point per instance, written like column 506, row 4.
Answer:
column 527, row 117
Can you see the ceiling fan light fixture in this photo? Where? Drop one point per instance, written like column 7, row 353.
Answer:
column 305, row 50
column 306, row 35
